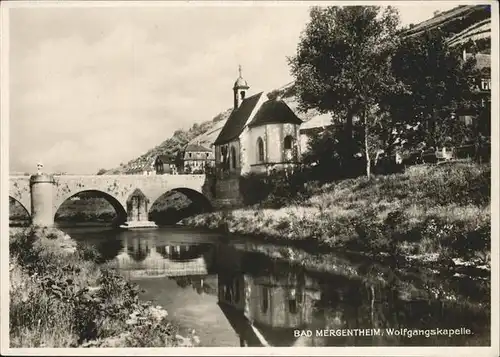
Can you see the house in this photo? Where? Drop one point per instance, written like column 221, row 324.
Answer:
column 197, row 158
column 163, row 164
column 481, row 86
column 149, row 168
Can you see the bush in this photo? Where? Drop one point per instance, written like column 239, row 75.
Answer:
column 59, row 299
column 275, row 190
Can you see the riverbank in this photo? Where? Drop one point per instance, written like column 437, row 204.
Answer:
column 437, row 214
column 63, row 295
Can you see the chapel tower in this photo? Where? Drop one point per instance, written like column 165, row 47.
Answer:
column 240, row 89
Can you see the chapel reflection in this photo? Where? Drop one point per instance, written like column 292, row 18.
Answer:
column 265, row 301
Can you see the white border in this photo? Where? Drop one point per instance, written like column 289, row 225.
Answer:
column 230, row 351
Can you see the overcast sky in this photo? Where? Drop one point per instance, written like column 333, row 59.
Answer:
column 93, row 87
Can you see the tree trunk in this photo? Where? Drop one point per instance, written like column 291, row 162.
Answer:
column 349, row 125
column 367, row 151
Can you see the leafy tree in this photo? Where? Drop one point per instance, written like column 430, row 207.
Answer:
column 101, row 171
column 342, row 66
column 329, row 151
column 439, row 84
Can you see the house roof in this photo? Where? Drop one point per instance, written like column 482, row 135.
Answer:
column 476, row 31
column 319, row 121
column 455, row 16
column 165, row 159
column 274, row 112
column 237, row 120
column 197, row 148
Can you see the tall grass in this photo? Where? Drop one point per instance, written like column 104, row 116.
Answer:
column 441, row 210
column 60, row 298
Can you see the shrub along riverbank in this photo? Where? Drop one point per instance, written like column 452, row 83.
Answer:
column 63, row 295
column 430, row 212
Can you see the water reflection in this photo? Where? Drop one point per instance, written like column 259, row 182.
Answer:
column 146, row 256
column 204, row 284
column 237, row 296
column 264, row 300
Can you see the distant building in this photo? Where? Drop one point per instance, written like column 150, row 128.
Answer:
column 197, row 158
column 313, row 128
column 163, row 164
column 481, row 87
column 149, row 168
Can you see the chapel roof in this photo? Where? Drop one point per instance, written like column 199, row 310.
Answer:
column 274, row 112
column 237, row 120
column 241, row 83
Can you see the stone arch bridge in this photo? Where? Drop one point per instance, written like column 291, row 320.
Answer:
column 130, row 195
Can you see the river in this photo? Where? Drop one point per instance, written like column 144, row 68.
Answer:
column 240, row 292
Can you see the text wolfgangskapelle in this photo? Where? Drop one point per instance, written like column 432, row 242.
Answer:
column 404, row 332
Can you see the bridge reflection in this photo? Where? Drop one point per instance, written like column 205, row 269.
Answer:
column 144, row 256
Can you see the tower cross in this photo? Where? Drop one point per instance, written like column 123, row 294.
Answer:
column 239, row 70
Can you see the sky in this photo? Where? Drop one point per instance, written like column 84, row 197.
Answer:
column 93, row 87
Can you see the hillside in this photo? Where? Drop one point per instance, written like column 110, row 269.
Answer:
column 204, row 133
column 169, row 147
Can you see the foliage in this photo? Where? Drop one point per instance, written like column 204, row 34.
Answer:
column 60, row 299
column 274, row 190
column 342, row 66
column 438, row 83
column 329, row 153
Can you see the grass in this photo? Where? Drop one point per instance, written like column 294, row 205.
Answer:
column 433, row 210
column 61, row 297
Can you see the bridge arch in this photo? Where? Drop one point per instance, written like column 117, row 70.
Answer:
column 196, row 203
column 121, row 212
column 17, row 210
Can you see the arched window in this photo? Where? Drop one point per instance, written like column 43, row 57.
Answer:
column 288, row 142
column 260, row 150
column 233, row 157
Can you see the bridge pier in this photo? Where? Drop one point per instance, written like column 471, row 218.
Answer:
column 42, row 194
column 137, row 213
